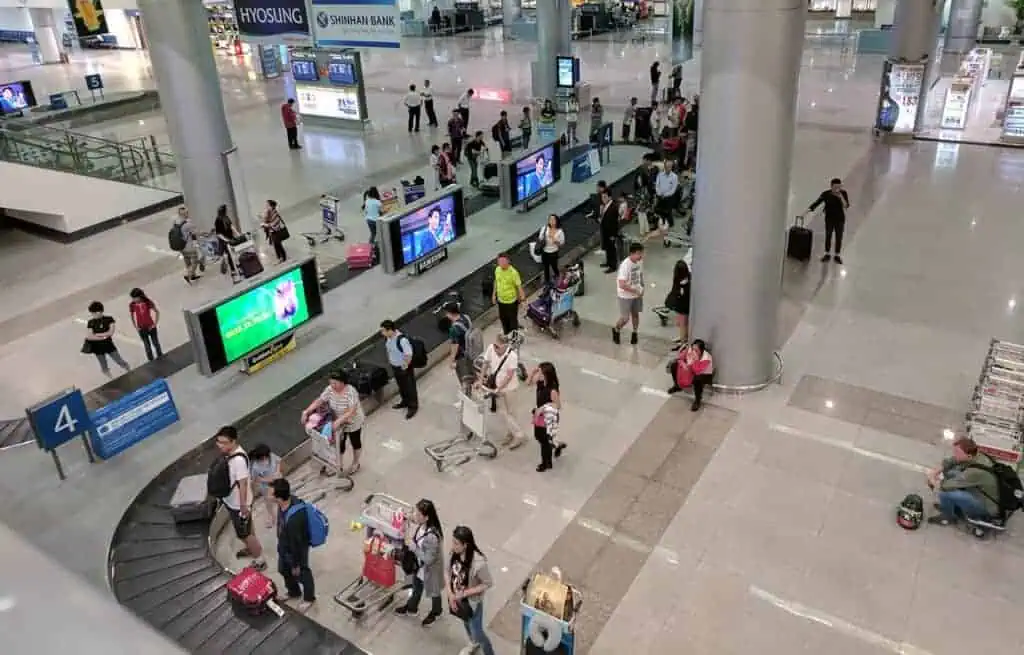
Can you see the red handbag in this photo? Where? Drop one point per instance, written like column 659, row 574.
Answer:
column 380, row 570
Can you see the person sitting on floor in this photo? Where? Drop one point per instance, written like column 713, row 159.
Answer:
column 695, row 367
column 965, row 485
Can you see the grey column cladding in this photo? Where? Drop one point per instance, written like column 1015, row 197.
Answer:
column 964, row 23
column 750, row 67
column 190, row 97
column 914, row 30
column 548, row 44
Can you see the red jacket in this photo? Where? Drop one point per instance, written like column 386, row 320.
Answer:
column 288, row 116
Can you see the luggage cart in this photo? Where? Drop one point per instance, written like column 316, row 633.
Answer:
column 996, row 418
column 389, row 201
column 471, row 441
column 383, row 518
column 324, row 451
column 329, row 223
column 543, row 632
column 414, row 190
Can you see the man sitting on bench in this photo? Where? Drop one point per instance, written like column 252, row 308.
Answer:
column 965, row 485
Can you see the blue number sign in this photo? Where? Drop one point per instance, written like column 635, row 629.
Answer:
column 59, row 419
column 133, row 418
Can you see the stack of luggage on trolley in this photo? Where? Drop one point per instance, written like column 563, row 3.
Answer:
column 554, row 305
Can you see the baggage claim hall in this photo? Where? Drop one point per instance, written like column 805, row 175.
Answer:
column 846, row 355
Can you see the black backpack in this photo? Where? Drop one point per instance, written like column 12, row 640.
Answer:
column 1011, row 491
column 218, row 479
column 419, row 352
column 176, row 238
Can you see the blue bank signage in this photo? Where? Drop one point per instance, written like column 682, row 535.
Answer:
column 269, row 22
column 356, row 23
column 133, row 418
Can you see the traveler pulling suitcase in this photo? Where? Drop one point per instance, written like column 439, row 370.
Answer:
column 800, row 241
column 249, row 264
column 190, row 501
column 253, row 592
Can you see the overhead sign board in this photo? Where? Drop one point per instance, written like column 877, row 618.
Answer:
column 356, row 24
column 89, row 17
column 270, row 22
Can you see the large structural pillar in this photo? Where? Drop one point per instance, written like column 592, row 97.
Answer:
column 45, row 32
column 190, row 97
column 548, row 44
column 564, row 28
column 750, row 66
column 698, row 22
column 510, row 10
column 915, row 30
column 964, row 23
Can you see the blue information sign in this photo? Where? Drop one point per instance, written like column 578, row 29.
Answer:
column 59, row 419
column 58, row 101
column 133, row 418
column 268, row 60
column 93, row 82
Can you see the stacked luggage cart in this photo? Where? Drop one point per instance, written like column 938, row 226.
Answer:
column 996, row 418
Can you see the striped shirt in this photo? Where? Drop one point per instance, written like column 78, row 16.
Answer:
column 340, row 403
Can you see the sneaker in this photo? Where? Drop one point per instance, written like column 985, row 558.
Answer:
column 616, row 336
column 304, row 606
column 633, row 339
column 399, row 406
column 940, row 519
column 674, row 389
column 826, row 257
column 838, row 259
column 429, row 620
column 187, row 280
column 258, row 565
column 402, row 610
column 469, row 650
column 543, row 467
column 559, row 448
column 516, row 442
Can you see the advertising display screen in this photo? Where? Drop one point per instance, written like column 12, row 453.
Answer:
column 244, row 323
column 89, row 17
column 536, row 172
column 427, row 229
column 304, row 70
column 337, row 102
column 341, row 71
column 566, row 68
column 899, row 97
column 15, row 97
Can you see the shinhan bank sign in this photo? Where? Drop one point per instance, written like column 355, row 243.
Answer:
column 271, row 22
column 356, row 24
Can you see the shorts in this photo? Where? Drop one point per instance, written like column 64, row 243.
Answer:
column 356, row 437
column 631, row 306
column 242, row 525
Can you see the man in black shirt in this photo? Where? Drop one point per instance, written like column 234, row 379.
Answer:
column 836, row 203
column 473, row 150
column 293, row 544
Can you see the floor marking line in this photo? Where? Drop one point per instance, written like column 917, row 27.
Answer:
column 162, row 251
column 650, row 391
column 864, row 452
column 835, row 623
column 599, row 376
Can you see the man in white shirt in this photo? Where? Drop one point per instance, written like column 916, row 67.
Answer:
column 666, row 186
column 462, row 106
column 413, row 102
column 428, row 103
column 239, row 502
column 630, row 290
column 500, row 376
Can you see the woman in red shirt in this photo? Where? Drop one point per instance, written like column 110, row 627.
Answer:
column 694, row 367
column 145, row 316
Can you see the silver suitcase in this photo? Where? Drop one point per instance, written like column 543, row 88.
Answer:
column 190, row 501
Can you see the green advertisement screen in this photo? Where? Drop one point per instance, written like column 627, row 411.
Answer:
column 262, row 314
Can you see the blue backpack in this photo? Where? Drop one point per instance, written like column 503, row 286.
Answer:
column 319, row 526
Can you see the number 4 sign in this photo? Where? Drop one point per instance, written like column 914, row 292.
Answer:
column 59, row 419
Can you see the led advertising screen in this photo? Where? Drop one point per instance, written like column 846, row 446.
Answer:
column 536, row 172
column 304, row 70
column 329, row 102
column 566, row 68
column 15, row 97
column 239, row 325
column 341, row 71
column 426, row 229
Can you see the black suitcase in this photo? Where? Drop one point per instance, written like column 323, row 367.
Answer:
column 367, row 378
column 190, row 501
column 249, row 264
column 800, row 241
column 490, row 170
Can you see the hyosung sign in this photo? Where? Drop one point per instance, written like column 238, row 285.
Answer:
column 356, row 23
column 271, row 22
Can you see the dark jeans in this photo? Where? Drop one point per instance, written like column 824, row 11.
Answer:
column 547, row 448
column 464, row 112
column 300, row 585
column 474, row 175
column 413, row 604
column 611, row 257
column 293, row 136
column 699, row 382
column 275, row 240
column 625, row 132
column 428, row 106
column 151, row 342
column 372, row 227
column 526, row 138
column 549, row 262
column 508, row 315
column 405, row 379
column 456, row 151
column 414, row 118
column 834, row 226
column 664, row 207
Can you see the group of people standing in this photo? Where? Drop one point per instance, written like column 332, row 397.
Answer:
column 101, row 327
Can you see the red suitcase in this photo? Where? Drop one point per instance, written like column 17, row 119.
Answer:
column 252, row 590
column 360, row 256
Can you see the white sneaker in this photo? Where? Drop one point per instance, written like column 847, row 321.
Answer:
column 469, row 650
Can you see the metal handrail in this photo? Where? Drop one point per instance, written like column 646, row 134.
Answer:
column 737, row 389
column 66, row 133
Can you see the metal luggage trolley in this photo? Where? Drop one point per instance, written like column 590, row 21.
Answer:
column 328, row 221
column 472, row 439
column 996, row 418
column 325, row 451
column 414, row 190
column 383, row 518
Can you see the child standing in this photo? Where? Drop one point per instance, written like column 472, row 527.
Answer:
column 264, row 468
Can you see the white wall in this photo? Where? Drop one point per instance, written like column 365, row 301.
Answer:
column 997, row 14
column 66, row 202
column 120, row 27
column 15, row 18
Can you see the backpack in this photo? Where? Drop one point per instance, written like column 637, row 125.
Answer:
column 910, row 512
column 218, row 479
column 1011, row 491
column 496, row 131
column 419, row 352
column 317, row 521
column 176, row 238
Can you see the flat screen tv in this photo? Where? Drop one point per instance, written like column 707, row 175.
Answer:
column 535, row 172
column 240, row 324
column 304, row 70
column 426, row 228
column 16, row 97
column 341, row 71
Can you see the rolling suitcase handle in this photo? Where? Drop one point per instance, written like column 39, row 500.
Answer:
column 799, row 221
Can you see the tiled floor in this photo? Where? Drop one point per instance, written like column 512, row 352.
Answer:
column 763, row 525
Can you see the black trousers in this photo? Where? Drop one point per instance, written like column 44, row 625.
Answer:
column 293, row 136
column 414, row 118
column 547, row 448
column 428, row 106
column 474, row 174
column 297, row 585
column 834, row 226
column 611, row 256
column 664, row 207
column 699, row 382
column 275, row 239
column 549, row 261
column 405, row 379
column 508, row 316
column 413, row 604
column 151, row 341
column 456, row 151
column 464, row 112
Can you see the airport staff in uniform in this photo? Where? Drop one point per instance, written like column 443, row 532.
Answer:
column 666, row 187
column 399, row 349
column 428, row 103
column 413, row 103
